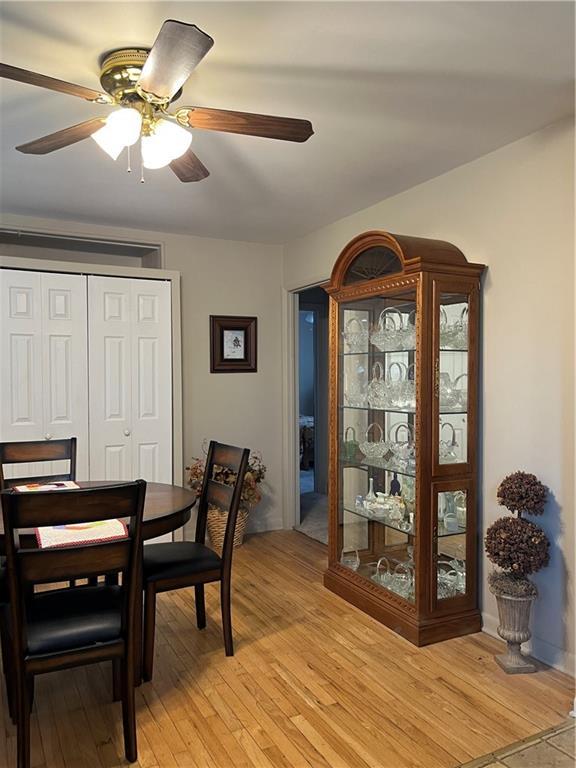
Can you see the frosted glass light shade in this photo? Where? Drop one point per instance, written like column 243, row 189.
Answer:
column 126, row 124
column 108, row 142
column 155, row 153
column 174, row 136
column 166, row 143
column 122, row 129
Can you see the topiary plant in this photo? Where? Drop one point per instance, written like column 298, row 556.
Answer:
column 522, row 492
column 518, row 546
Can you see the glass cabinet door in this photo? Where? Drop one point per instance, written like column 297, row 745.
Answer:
column 453, row 556
column 378, row 449
column 454, row 313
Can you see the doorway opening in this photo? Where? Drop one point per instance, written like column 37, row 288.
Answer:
column 313, row 412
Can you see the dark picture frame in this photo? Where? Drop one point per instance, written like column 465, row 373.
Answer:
column 233, row 344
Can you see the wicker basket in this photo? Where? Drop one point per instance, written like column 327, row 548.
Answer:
column 216, row 524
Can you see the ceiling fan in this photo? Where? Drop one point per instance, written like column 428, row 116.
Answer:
column 143, row 82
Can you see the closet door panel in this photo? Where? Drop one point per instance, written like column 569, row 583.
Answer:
column 21, row 376
column 20, row 347
column 152, row 381
column 65, row 364
column 110, row 353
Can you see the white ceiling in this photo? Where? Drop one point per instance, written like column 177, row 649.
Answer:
column 397, row 92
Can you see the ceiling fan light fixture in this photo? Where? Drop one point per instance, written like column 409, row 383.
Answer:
column 167, row 142
column 122, row 129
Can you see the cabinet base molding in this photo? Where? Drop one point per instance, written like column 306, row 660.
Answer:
column 423, row 631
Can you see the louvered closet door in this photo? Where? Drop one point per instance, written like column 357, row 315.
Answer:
column 43, row 381
column 130, row 365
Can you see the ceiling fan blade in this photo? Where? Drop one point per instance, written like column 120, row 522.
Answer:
column 284, row 128
column 189, row 168
column 178, row 49
column 43, row 81
column 62, row 138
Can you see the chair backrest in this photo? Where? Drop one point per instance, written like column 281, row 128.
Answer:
column 27, row 566
column 226, row 467
column 37, row 450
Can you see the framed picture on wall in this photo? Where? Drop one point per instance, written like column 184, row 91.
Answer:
column 233, row 344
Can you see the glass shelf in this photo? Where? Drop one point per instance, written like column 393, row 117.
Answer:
column 367, row 463
column 383, row 520
column 384, row 410
column 409, row 411
column 376, row 351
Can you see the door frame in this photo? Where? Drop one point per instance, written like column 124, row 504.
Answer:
column 290, row 404
column 107, row 270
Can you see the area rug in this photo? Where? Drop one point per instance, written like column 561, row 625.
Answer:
column 314, row 516
column 553, row 748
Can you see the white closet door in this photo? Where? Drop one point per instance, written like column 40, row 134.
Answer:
column 130, row 365
column 109, row 363
column 43, row 383
column 65, row 364
column 152, row 381
column 21, row 415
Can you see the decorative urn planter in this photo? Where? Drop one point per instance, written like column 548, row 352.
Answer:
column 514, row 627
column 520, row 548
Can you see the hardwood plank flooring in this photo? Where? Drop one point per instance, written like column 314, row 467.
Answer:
column 314, row 683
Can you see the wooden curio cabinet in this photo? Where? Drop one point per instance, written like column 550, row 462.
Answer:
column 404, row 317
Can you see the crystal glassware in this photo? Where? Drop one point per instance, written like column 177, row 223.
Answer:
column 350, row 558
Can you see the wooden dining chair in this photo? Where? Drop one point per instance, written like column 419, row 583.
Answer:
column 3, row 639
column 37, row 450
column 31, row 451
column 61, row 628
column 178, row 564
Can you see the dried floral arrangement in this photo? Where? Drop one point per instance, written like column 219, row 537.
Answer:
column 518, row 546
column 255, row 474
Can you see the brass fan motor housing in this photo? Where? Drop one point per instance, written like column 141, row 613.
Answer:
column 120, row 71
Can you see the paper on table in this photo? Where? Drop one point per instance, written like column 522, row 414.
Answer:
column 59, row 485
column 78, row 534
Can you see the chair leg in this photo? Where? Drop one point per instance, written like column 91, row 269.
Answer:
column 149, row 631
column 200, row 606
column 8, row 673
column 30, row 684
column 23, row 725
column 129, row 708
column 226, row 617
column 116, row 680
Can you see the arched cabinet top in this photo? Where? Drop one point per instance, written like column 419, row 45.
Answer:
column 376, row 254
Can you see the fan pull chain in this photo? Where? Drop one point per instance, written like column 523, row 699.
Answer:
column 129, row 168
column 142, row 179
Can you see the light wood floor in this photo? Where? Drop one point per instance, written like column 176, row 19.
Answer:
column 314, row 683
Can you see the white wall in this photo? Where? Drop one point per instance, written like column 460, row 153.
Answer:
column 230, row 278
column 514, row 211
column 227, row 278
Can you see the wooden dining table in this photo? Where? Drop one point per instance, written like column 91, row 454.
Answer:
column 166, row 509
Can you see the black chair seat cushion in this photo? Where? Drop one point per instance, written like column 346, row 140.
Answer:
column 178, row 558
column 75, row 617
